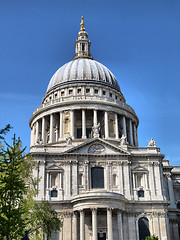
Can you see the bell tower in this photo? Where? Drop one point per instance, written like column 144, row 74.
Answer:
column 82, row 45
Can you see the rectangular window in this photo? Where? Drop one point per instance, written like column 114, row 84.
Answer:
column 97, row 177
column 62, row 93
column 95, row 91
column 104, row 93
column 110, row 94
column 83, row 47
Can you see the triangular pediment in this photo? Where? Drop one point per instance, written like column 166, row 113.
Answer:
column 52, row 166
column 97, row 146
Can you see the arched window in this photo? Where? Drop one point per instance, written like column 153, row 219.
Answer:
column 143, row 225
column 97, row 177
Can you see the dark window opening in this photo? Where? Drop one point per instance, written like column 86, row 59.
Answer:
column 97, row 177
column 143, row 225
column 54, row 193
column 178, row 205
column 104, row 92
column 101, row 236
column 96, row 91
column 70, row 91
column 140, row 193
column 62, row 93
column 88, row 132
column 79, row 90
column 87, row 90
column 83, row 47
column 110, row 94
column 79, row 133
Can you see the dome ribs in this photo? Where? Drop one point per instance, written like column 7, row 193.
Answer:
column 73, row 71
column 66, row 74
column 102, row 76
column 80, row 69
column 83, row 69
column 95, row 71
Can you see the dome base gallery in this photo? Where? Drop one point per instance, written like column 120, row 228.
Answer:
column 84, row 140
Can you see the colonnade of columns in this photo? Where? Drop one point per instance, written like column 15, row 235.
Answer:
column 42, row 132
column 109, row 227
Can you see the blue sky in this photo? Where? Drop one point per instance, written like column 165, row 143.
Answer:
column 138, row 40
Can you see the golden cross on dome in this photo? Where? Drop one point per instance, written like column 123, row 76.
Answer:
column 82, row 24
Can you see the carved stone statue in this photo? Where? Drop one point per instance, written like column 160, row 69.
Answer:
column 152, row 143
column 69, row 140
column 123, row 140
column 96, row 130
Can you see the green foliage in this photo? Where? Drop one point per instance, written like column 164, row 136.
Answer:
column 4, row 131
column 45, row 219
column 151, row 238
column 12, row 190
column 18, row 209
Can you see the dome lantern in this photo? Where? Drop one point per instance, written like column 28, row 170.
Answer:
column 82, row 45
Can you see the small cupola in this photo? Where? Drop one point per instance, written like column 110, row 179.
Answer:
column 82, row 45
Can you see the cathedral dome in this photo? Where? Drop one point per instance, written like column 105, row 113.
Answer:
column 82, row 70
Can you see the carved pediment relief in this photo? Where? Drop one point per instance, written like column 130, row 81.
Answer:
column 96, row 149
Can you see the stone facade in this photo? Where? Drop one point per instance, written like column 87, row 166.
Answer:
column 85, row 143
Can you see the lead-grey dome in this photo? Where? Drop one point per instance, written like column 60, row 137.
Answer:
column 83, row 70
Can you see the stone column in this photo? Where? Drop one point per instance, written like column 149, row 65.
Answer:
column 83, row 124
column 130, row 133
column 106, row 125
column 158, row 180
column 132, row 226
column 82, row 227
column 151, row 180
column 60, row 180
column 51, row 128
column 32, row 135
column 124, row 132
column 171, row 192
column 120, row 227
column 120, row 171
column 94, row 224
column 135, row 134
column 109, row 224
column 72, row 124
column 61, row 126
column 68, row 181
column 47, row 185
column 116, row 125
column 75, row 226
column 95, row 122
column 37, row 131
column 127, row 180
column 43, row 131
column 75, row 177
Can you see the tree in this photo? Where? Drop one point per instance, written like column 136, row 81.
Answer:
column 18, row 209
column 4, row 131
column 12, row 190
column 152, row 238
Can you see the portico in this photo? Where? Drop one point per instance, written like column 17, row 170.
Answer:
column 99, row 221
